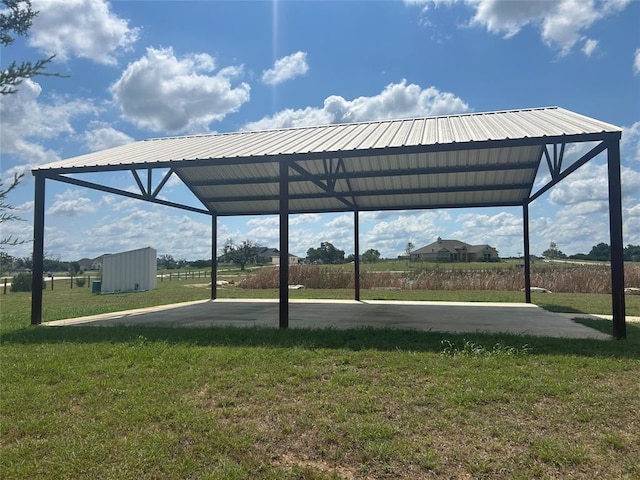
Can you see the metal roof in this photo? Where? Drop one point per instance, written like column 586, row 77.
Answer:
column 477, row 159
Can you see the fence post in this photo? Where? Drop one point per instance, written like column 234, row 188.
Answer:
column 71, row 282
column 5, row 286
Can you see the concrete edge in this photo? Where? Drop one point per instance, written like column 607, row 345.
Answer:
column 120, row 314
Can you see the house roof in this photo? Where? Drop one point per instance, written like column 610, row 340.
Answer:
column 271, row 252
column 477, row 159
column 450, row 246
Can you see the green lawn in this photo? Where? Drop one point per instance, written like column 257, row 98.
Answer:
column 225, row 403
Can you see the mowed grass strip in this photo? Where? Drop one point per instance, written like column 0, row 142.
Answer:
column 124, row 402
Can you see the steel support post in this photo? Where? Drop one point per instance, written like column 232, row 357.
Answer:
column 527, row 256
column 284, row 244
column 615, row 237
column 214, row 256
column 38, row 251
column 356, row 248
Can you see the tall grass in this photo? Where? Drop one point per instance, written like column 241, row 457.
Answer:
column 574, row 279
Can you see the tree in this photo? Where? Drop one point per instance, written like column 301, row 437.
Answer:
column 74, row 268
column 327, row 253
column 201, row 263
column 182, row 263
column 407, row 250
column 167, row 262
column 579, row 256
column 371, row 256
column 553, row 253
column 16, row 19
column 600, row 252
column 52, row 263
column 631, row 253
column 7, row 262
column 6, row 210
column 246, row 252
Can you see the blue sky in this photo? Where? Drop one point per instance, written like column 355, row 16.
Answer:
column 141, row 69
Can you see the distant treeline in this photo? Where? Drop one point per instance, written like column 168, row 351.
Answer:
column 600, row 252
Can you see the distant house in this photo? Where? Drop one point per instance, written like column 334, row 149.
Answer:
column 455, row 251
column 96, row 264
column 273, row 256
column 90, row 264
column 85, row 264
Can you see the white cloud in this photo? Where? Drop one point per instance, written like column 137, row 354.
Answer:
column 561, row 23
column 590, row 184
column 266, row 221
column 101, row 137
column 265, row 232
column 304, row 218
column 589, row 47
column 117, row 203
column 636, row 62
column 397, row 100
column 81, row 28
column 25, row 120
column 634, row 211
column 576, row 234
column 341, row 222
column 71, row 203
column 630, row 143
column 390, row 236
column 18, row 230
column 502, row 223
column 162, row 228
column 286, row 68
column 163, row 93
column 631, row 227
column 502, row 230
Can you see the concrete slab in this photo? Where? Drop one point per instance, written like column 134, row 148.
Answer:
column 516, row 318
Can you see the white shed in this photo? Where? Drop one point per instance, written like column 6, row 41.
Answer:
column 135, row 270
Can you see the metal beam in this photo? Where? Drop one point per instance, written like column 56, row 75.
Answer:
column 162, row 183
column 375, row 208
column 555, row 167
column 38, row 251
column 214, row 255
column 284, row 244
column 344, row 175
column 598, row 149
column 615, row 237
column 356, row 247
column 527, row 256
column 373, row 193
column 124, row 193
column 139, row 182
column 318, row 182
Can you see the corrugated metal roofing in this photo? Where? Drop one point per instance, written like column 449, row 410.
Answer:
column 447, row 161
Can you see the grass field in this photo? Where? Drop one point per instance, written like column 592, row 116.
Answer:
column 224, row 403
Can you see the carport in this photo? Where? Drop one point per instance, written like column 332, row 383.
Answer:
column 470, row 160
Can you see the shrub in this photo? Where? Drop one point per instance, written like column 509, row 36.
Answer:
column 80, row 282
column 22, row 283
